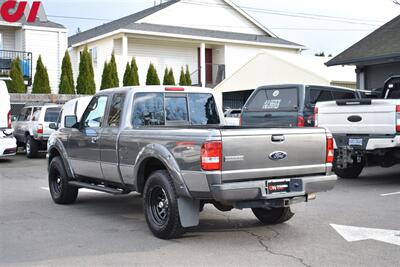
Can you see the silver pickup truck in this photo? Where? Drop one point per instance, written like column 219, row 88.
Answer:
column 170, row 144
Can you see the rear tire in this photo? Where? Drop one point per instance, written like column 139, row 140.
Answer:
column 273, row 216
column 61, row 192
column 31, row 147
column 160, row 206
column 351, row 172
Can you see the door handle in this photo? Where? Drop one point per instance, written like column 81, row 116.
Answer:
column 94, row 140
column 278, row 138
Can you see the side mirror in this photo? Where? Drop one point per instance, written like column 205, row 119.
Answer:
column 70, row 121
column 53, row 126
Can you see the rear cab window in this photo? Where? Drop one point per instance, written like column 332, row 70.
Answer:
column 52, row 114
column 274, row 99
column 159, row 109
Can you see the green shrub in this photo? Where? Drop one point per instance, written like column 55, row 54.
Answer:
column 135, row 73
column 41, row 84
column 114, row 72
column 67, row 79
column 85, row 83
column 127, row 75
column 16, row 85
column 106, row 77
column 187, row 75
column 182, row 78
column 152, row 76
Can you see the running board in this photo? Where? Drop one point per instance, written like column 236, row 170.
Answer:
column 98, row 188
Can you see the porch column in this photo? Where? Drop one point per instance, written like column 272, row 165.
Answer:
column 203, row 64
column 124, row 49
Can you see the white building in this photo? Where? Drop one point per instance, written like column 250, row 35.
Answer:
column 213, row 37
column 272, row 67
column 29, row 40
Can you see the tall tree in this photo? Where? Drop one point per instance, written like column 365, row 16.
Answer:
column 16, row 85
column 67, row 85
column 41, row 84
column 127, row 75
column 152, row 76
column 187, row 75
column 106, row 77
column 182, row 78
column 85, row 83
column 135, row 73
column 171, row 76
column 166, row 79
column 114, row 72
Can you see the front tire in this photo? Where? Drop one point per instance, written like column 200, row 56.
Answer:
column 31, row 147
column 351, row 172
column 61, row 192
column 273, row 216
column 160, row 206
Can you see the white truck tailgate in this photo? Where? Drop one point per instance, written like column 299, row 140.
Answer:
column 371, row 117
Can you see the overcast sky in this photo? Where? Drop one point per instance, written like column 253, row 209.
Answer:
column 338, row 24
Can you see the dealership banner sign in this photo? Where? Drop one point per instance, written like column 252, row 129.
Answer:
column 13, row 11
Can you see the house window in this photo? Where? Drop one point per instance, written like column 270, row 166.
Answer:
column 93, row 53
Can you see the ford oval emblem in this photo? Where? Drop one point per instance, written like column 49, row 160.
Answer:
column 354, row 118
column 278, row 155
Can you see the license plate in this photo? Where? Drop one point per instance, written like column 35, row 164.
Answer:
column 355, row 142
column 278, row 186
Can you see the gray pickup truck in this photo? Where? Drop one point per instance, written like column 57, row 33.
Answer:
column 170, row 144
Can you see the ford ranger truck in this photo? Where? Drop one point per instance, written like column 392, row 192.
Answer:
column 366, row 131
column 170, row 145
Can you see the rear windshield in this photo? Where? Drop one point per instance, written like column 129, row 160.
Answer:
column 274, row 100
column 52, row 114
column 155, row 109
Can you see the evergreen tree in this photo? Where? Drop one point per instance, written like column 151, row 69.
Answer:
column 187, row 76
column 67, row 78
column 127, row 75
column 85, row 84
column 41, row 84
column 182, row 78
column 152, row 76
column 166, row 77
column 114, row 72
column 171, row 76
column 106, row 77
column 16, row 85
column 135, row 74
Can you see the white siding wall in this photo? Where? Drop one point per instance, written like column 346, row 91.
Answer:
column 162, row 54
column 204, row 14
column 8, row 35
column 51, row 45
column 238, row 55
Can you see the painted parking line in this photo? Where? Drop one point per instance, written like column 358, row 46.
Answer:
column 390, row 194
column 82, row 190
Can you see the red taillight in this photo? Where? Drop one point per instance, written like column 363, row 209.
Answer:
column 9, row 120
column 300, row 121
column 211, row 156
column 241, row 120
column 174, row 89
column 316, row 116
column 330, row 149
column 39, row 129
column 398, row 118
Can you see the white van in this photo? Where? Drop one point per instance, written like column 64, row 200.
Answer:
column 73, row 107
column 8, row 144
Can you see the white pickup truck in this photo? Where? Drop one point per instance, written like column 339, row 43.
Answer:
column 366, row 131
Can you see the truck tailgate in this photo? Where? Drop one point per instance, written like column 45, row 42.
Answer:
column 370, row 117
column 272, row 153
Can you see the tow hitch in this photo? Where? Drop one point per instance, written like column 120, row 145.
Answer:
column 347, row 156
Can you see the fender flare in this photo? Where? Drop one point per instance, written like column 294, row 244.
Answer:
column 162, row 154
column 56, row 144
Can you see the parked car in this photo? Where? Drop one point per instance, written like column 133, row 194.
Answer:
column 366, row 131
column 8, row 144
column 31, row 129
column 73, row 107
column 232, row 116
column 168, row 143
column 290, row 105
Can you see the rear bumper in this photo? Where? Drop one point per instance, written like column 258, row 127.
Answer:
column 371, row 142
column 256, row 190
column 8, row 146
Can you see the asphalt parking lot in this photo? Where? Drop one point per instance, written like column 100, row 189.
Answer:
column 105, row 230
